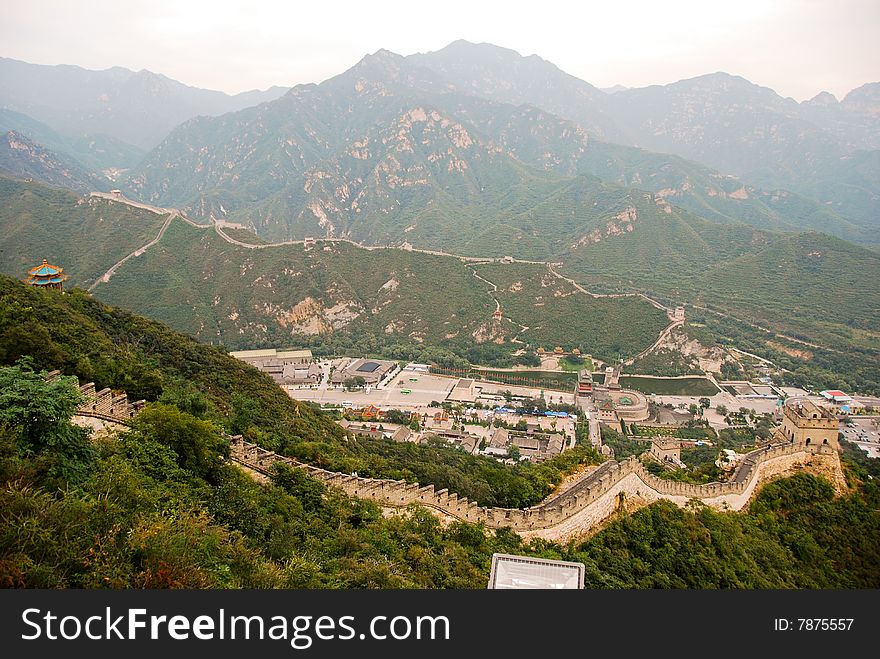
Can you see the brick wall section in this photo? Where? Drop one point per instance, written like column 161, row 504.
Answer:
column 581, row 507
column 104, row 404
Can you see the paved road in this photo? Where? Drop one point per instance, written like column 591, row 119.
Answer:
column 864, row 434
column 589, row 410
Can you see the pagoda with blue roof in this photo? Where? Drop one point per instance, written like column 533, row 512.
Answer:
column 47, row 275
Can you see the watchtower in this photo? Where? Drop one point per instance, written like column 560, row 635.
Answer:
column 804, row 422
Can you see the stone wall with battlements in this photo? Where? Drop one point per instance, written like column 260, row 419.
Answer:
column 589, row 501
column 586, row 503
column 104, row 404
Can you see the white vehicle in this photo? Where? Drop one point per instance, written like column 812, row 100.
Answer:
column 347, row 403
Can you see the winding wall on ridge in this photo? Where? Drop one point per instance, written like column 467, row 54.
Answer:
column 589, row 501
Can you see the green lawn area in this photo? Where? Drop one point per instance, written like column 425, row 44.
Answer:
column 670, row 387
column 543, row 379
column 566, row 364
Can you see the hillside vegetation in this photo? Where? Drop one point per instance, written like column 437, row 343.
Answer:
column 407, row 305
column 159, row 507
column 810, row 285
column 245, row 297
column 84, row 235
column 114, row 348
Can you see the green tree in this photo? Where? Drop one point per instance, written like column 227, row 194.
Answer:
column 297, row 482
column 513, row 452
column 355, row 382
column 705, row 402
column 38, row 413
column 198, row 444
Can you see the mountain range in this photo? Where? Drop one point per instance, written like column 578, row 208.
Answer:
column 137, row 108
column 820, row 148
column 390, row 151
column 412, row 305
column 763, row 159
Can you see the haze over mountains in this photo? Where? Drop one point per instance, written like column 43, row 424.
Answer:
column 719, row 120
column 138, row 108
column 334, row 159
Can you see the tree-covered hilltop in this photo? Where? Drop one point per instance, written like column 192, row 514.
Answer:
column 113, row 348
column 85, row 235
column 158, row 506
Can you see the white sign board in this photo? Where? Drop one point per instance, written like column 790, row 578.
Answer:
column 509, row 571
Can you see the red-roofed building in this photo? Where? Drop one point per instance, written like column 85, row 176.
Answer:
column 370, row 412
column 836, row 396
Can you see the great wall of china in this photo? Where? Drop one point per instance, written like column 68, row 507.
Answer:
column 586, row 503
column 104, row 407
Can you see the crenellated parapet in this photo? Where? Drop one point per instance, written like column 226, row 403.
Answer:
column 104, row 404
column 589, row 500
column 585, row 503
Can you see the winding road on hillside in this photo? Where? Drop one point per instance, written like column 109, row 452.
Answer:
column 665, row 333
column 551, row 267
column 522, row 328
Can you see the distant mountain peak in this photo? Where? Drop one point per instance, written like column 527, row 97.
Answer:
column 375, row 72
column 722, row 78
column 823, row 98
column 382, row 55
column 375, row 64
column 864, row 98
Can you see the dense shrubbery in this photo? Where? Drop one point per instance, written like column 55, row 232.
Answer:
column 158, row 508
column 81, row 336
column 479, row 478
column 794, row 536
column 667, row 363
column 622, row 445
column 146, row 513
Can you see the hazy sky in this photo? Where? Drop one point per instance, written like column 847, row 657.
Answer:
column 797, row 47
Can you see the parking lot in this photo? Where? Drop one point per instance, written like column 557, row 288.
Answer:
column 422, row 391
column 863, row 434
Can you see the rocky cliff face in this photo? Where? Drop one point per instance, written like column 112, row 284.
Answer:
column 24, row 158
column 391, row 151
